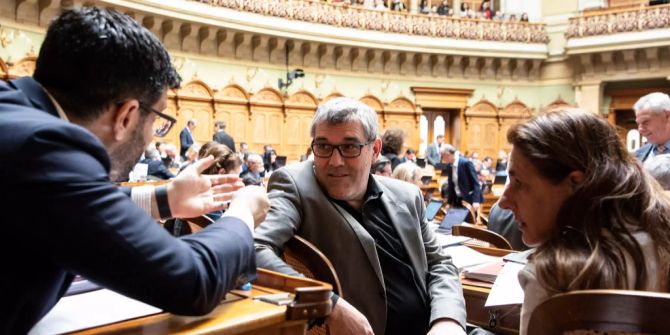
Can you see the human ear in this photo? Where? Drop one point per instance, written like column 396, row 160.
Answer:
column 576, row 178
column 125, row 116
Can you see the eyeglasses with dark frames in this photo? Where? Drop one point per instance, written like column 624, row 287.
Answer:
column 164, row 124
column 347, row 150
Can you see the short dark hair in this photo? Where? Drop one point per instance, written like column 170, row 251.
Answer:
column 93, row 58
column 220, row 124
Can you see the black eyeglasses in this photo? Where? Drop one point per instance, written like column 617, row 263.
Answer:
column 348, row 150
column 164, row 122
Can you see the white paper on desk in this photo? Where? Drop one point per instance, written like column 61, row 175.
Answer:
column 506, row 289
column 450, row 240
column 91, row 309
column 463, row 256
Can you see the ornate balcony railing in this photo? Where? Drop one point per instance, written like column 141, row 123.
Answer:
column 619, row 21
column 391, row 22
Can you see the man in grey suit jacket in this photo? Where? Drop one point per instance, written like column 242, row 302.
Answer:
column 396, row 278
column 652, row 115
column 433, row 151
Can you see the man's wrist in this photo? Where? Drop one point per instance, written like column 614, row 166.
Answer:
column 162, row 202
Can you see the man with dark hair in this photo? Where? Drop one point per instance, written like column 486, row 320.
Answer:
column 186, row 137
column 222, row 137
column 99, row 87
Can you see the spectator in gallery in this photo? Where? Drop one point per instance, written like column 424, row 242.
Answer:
column 424, row 7
column 398, row 5
column 443, row 8
column 524, row 17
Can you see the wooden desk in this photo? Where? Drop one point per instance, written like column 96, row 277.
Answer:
column 239, row 313
column 506, row 318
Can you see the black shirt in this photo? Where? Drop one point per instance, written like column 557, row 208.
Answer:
column 408, row 307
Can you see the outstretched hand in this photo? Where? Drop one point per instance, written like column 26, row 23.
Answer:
column 193, row 194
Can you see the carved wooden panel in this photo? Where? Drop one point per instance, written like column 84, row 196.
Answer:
column 196, row 89
column 267, row 127
column 378, row 106
column 332, row 95
column 24, row 67
column 232, row 92
column 202, row 113
column 4, row 70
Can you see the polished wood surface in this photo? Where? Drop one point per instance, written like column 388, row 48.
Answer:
column 494, row 239
column 240, row 313
column 602, row 311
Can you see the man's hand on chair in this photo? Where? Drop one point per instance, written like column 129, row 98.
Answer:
column 347, row 320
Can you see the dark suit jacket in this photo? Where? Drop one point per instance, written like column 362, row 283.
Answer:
column 502, row 222
column 62, row 216
column 643, row 152
column 299, row 206
column 185, row 141
column 468, row 183
column 157, row 169
column 225, row 139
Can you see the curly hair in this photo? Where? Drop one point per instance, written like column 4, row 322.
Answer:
column 595, row 225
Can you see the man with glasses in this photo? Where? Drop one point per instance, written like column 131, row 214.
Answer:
column 80, row 123
column 395, row 277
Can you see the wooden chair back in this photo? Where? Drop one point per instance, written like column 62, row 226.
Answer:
column 473, row 214
column 494, row 239
column 602, row 311
column 307, row 259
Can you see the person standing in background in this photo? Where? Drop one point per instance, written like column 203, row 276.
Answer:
column 222, row 137
column 186, row 137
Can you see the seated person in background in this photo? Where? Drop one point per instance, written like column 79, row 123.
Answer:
column 410, row 156
column 172, row 160
column 501, row 163
column 155, row 167
column 502, row 221
column 394, row 274
column 255, row 173
column 408, row 172
column 271, row 164
column 392, row 142
column 225, row 162
column 70, row 137
column 659, row 168
column 381, row 167
column 597, row 219
column 191, row 156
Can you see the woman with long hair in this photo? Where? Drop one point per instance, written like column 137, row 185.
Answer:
column 597, row 219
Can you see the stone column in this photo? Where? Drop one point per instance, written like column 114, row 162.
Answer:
column 590, row 96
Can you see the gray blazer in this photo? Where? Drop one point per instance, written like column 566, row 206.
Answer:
column 299, row 206
column 432, row 154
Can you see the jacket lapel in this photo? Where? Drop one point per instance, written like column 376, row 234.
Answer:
column 406, row 226
column 367, row 242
